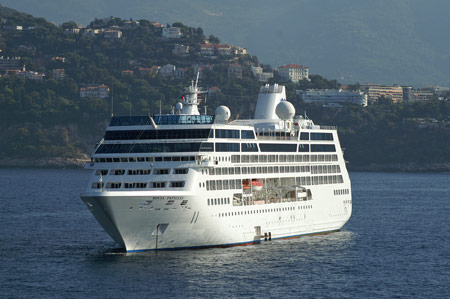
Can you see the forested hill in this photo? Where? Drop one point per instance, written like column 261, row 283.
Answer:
column 45, row 119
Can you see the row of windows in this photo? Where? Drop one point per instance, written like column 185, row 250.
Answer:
column 316, row 136
column 213, row 185
column 282, row 158
column 223, row 184
column 341, row 192
column 218, row 201
column 264, row 211
column 150, row 148
column 318, row 169
column 259, row 169
column 177, row 134
column 137, row 185
column 159, row 134
column 233, row 159
column 145, row 159
column 156, row 171
column 209, row 147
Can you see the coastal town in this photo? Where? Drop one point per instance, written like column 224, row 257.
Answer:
column 205, row 55
column 60, row 85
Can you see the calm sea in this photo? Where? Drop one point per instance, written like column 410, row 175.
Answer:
column 397, row 244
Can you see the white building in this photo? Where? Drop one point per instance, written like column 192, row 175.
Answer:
column 333, row 96
column 180, row 50
column 167, row 70
column 293, row 72
column 172, row 32
column 97, row 91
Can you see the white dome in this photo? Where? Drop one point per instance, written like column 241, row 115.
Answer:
column 179, row 106
column 223, row 114
column 285, row 110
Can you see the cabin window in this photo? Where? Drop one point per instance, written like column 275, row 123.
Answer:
column 101, row 172
column 179, row 184
column 161, row 171
column 181, row 170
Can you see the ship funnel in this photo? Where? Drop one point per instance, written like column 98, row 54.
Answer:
column 268, row 99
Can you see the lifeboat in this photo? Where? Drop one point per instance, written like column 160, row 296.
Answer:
column 257, row 185
column 245, row 184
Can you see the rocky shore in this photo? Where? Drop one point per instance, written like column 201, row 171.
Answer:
column 57, row 162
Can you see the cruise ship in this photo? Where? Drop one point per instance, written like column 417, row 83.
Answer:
column 192, row 180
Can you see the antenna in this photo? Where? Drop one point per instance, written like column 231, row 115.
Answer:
column 159, row 106
column 112, row 98
column 196, row 80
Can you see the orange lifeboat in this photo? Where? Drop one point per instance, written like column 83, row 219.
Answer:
column 257, row 185
column 245, row 184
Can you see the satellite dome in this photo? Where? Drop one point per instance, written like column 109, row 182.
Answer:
column 223, row 114
column 285, row 110
column 179, row 106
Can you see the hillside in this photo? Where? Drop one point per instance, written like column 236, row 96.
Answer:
column 402, row 41
column 50, row 117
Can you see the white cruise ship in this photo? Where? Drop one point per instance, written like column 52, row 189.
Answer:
column 190, row 180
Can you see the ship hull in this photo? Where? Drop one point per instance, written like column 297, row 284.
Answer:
column 147, row 222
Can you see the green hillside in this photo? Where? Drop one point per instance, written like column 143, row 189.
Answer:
column 402, row 41
column 48, row 119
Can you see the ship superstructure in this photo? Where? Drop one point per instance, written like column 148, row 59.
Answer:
column 187, row 180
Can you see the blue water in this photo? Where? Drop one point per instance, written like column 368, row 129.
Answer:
column 397, row 244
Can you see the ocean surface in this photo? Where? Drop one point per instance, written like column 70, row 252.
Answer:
column 397, row 244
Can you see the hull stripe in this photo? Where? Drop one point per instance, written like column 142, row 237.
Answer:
column 234, row 244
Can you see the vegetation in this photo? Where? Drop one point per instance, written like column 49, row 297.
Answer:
column 48, row 118
column 387, row 133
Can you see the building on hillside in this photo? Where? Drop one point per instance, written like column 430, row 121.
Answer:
column 171, row 32
column 180, row 73
column 239, row 51
column 332, row 96
column 96, row 91
column 59, row 59
column 375, row 92
column 207, row 50
column 157, row 25
column 256, row 70
column 235, row 71
column 112, row 34
column 10, row 63
column 130, row 23
column 422, row 95
column 224, row 50
column 407, row 93
column 92, row 32
column 437, row 90
column 180, row 50
column 264, row 77
column 72, row 31
column 260, row 75
column 59, row 74
column 212, row 50
column 149, row 70
column 127, row 73
column 34, row 76
column 167, row 71
column 293, row 72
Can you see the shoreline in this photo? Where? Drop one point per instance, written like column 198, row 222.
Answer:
column 79, row 162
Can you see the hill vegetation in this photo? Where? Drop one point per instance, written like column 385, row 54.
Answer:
column 382, row 42
column 46, row 119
